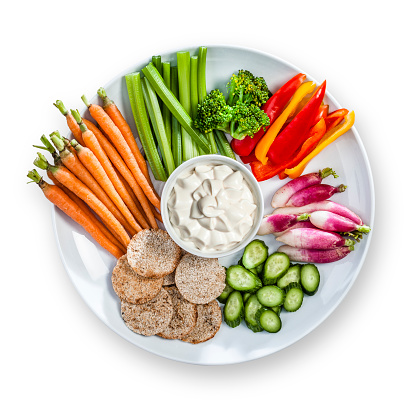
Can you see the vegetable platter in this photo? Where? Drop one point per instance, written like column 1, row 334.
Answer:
column 89, row 266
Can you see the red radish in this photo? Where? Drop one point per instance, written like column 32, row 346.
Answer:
column 300, row 224
column 321, row 206
column 330, row 221
column 277, row 223
column 283, row 194
column 314, row 193
column 314, row 239
column 315, row 256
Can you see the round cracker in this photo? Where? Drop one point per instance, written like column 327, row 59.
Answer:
column 130, row 286
column 149, row 318
column 184, row 316
column 200, row 280
column 207, row 325
column 169, row 279
column 152, row 253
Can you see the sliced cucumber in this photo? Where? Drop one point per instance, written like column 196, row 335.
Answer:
column 246, row 295
column 294, row 297
column 226, row 292
column 234, row 309
column 309, row 278
column 292, row 275
column 250, row 309
column 276, row 309
column 260, row 268
column 269, row 321
column 271, row 296
column 275, row 267
column 242, row 279
column 255, row 254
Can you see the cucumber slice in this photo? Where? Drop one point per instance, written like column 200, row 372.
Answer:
column 226, row 292
column 254, row 254
column 271, row 296
column 276, row 309
column 275, row 267
column 294, row 297
column 234, row 309
column 309, row 278
column 242, row 279
column 260, row 268
column 292, row 275
column 250, row 309
column 270, row 321
column 246, row 295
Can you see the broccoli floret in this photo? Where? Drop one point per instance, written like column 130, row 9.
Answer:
column 246, row 88
column 213, row 113
column 247, row 120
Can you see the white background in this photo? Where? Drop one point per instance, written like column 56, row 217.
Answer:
column 57, row 358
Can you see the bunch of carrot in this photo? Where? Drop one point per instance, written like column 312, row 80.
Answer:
column 100, row 179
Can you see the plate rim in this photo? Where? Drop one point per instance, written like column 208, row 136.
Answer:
column 355, row 273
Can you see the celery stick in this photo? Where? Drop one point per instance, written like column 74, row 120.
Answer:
column 175, row 106
column 155, row 114
column 167, row 117
column 157, row 62
column 202, row 90
column 176, row 127
column 223, row 144
column 189, row 148
column 138, row 108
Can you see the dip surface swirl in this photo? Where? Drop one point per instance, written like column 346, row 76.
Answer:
column 211, row 207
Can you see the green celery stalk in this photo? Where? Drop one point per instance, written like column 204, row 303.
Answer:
column 176, row 127
column 202, row 90
column 223, row 145
column 175, row 107
column 157, row 62
column 167, row 117
column 141, row 120
column 156, row 118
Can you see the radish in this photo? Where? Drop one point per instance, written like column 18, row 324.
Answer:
column 314, row 239
column 314, row 193
column 321, row 206
column 278, row 223
column 330, row 221
column 283, row 194
column 300, row 224
column 315, row 256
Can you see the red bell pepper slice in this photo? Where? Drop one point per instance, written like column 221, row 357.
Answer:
column 250, row 158
column 322, row 113
column 263, row 172
column 333, row 119
column 291, row 138
column 273, row 108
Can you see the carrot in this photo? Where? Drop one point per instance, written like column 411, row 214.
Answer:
column 84, row 207
column 118, row 162
column 114, row 113
column 157, row 215
column 95, row 148
column 70, row 121
column 59, row 198
column 114, row 134
column 73, row 163
column 88, row 159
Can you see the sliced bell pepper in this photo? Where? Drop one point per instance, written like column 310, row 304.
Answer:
column 328, row 138
column 267, row 140
column 250, row 158
column 263, row 172
column 334, row 118
column 273, row 108
column 322, row 113
column 286, row 144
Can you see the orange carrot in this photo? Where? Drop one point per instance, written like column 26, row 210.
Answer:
column 59, row 198
column 111, row 130
column 84, row 207
column 73, row 163
column 94, row 146
column 114, row 113
column 70, row 121
column 123, row 169
column 88, row 159
column 156, row 214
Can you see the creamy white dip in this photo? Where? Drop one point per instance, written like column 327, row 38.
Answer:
column 211, row 207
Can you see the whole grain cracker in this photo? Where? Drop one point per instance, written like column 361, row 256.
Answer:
column 149, row 318
column 184, row 316
column 152, row 253
column 130, row 286
column 199, row 280
column 207, row 325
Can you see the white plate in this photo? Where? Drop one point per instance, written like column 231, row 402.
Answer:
column 89, row 267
